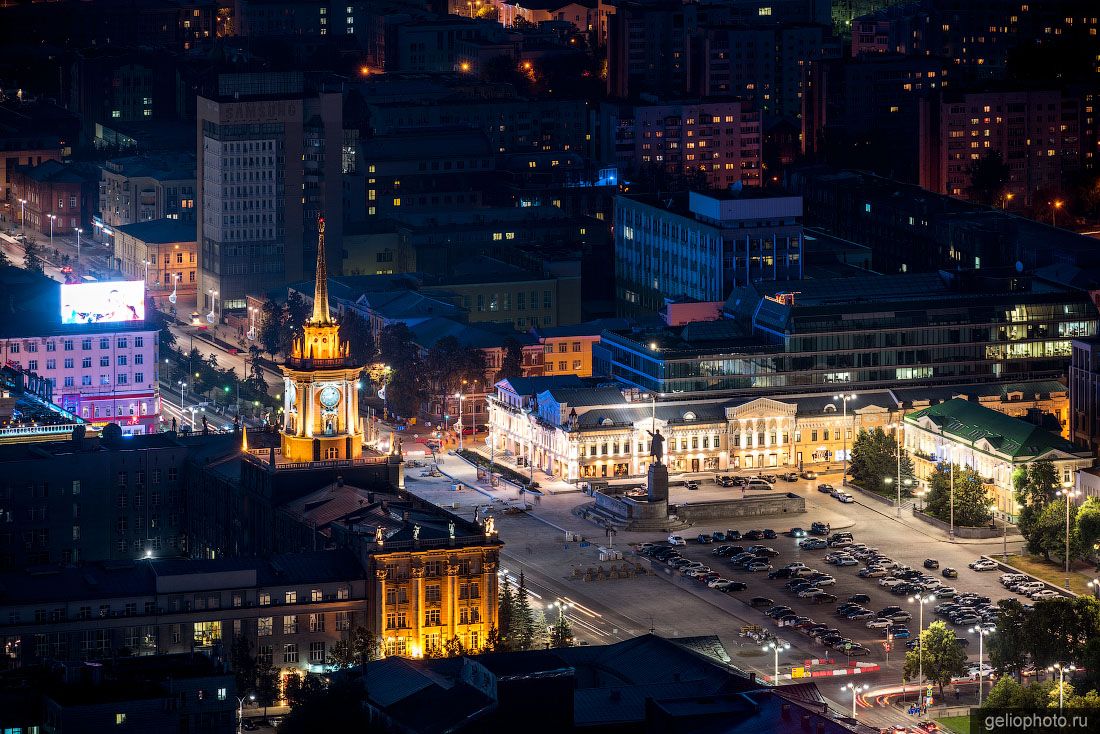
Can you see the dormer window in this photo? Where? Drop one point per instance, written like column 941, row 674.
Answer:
column 689, row 416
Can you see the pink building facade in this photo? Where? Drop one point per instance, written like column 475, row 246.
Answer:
column 104, row 374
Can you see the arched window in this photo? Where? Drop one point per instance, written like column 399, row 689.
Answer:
column 332, row 453
column 689, row 416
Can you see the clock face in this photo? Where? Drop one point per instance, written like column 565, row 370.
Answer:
column 329, row 397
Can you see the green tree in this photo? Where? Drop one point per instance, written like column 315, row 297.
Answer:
column 5, row 261
column 297, row 312
column 944, row 659
column 506, row 607
column 244, row 664
column 301, row 688
column 1006, row 693
column 32, row 257
column 358, row 647
column 272, row 316
column 397, row 349
column 875, row 458
column 523, row 620
column 988, row 176
column 971, row 499
column 453, row 648
column 1049, row 534
column 356, row 331
column 336, row 707
column 1087, row 522
column 1036, row 487
column 1090, row 700
column 561, row 634
column 1007, row 646
column 512, row 363
column 267, row 685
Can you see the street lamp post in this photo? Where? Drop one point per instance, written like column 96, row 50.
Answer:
column 240, row 710
column 856, row 690
column 79, row 232
column 1054, row 207
column 981, row 632
column 1095, row 586
column 252, row 322
column 213, row 299
column 183, row 396
column 1069, row 494
column 844, row 433
column 23, row 215
column 52, row 217
column 459, row 398
column 175, row 282
column 146, row 264
column 562, row 607
column 922, row 600
column 775, row 647
column 1061, row 681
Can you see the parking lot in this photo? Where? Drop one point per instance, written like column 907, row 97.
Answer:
column 869, row 525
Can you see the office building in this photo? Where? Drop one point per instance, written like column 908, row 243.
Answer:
column 1037, row 135
column 715, row 144
column 102, row 372
column 996, row 446
column 567, row 350
column 703, row 244
column 84, row 499
column 270, row 156
column 161, row 252
column 1084, row 393
column 146, row 187
column 875, row 331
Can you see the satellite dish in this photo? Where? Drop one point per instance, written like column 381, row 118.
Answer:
column 1019, row 267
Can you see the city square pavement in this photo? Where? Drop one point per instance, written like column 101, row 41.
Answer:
column 610, row 609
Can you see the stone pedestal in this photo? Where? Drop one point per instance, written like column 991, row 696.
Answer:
column 657, row 488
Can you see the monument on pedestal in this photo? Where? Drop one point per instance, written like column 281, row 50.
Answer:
column 657, row 487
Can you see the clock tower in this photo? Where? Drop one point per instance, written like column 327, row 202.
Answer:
column 320, row 384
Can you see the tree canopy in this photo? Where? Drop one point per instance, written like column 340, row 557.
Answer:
column 971, row 499
column 875, row 458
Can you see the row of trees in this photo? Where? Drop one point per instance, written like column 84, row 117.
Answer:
column 521, row 624
column 1055, row 631
column 1042, row 518
column 875, row 459
column 1008, row 693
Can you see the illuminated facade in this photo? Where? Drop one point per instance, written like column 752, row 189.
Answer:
column 321, row 388
column 577, row 433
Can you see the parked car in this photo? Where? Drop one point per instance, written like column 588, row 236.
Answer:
column 758, row 566
column 931, row 563
column 847, row 561
column 983, row 564
column 703, row 539
column 812, row 544
column 809, row 474
column 878, row 623
column 859, row 599
column 769, row 534
column 691, row 485
column 949, row 573
column 724, row 481
column 846, row 498
column 718, row 536
column 796, row 533
column 790, row 476
column 823, row 598
column 676, row 540
column 733, row 535
column 826, row 488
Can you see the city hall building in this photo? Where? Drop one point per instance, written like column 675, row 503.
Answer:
column 577, row 429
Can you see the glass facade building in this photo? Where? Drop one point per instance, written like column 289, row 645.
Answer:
column 870, row 332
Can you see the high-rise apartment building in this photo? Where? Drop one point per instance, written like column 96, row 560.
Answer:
column 269, row 161
column 1036, row 133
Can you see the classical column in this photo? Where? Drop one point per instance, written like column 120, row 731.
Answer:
column 452, row 599
column 380, row 606
column 418, row 606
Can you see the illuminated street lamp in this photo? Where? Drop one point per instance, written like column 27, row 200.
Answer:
column 775, row 647
column 844, row 399
column 981, row 632
column 1061, row 681
column 51, row 217
column 922, row 600
column 1069, row 494
column 856, row 690
column 1054, row 207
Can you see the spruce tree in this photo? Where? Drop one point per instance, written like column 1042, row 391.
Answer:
column 523, row 619
column 506, row 615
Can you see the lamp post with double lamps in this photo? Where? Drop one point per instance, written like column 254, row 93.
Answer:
column 240, row 709
column 1069, row 494
column 1095, row 586
column 856, row 690
column 1061, row 681
column 981, row 632
column 922, row 600
column 844, row 433
column 51, row 217
column 776, row 647
column 79, row 232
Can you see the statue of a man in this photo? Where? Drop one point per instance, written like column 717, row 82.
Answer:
column 416, row 532
column 657, row 446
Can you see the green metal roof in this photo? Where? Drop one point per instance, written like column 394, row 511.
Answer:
column 971, row 422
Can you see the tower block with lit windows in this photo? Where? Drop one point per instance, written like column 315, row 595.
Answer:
column 320, row 393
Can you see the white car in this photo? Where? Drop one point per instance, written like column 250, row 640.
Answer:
column 795, row 564
column 812, row 591
column 676, row 540
column 890, row 583
column 827, row 581
column 872, row 573
column 1044, row 594
column 983, row 564
column 847, row 562
column 972, row 671
column 878, row 624
column 846, row 499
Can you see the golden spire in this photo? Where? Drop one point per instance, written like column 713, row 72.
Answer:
column 244, row 438
column 320, row 288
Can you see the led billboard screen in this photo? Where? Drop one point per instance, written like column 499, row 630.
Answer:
column 102, row 303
